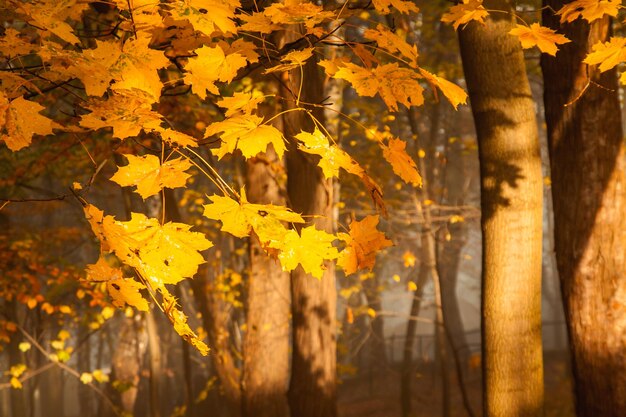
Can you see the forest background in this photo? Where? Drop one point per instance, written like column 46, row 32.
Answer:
column 267, row 209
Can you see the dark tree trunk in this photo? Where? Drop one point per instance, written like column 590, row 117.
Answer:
column 588, row 185
column 312, row 389
column 511, row 201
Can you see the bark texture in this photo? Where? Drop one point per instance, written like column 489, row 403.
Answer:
column 312, row 389
column 268, row 299
column 511, row 201
column 587, row 162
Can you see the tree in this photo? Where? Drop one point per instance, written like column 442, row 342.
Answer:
column 585, row 131
column 511, row 202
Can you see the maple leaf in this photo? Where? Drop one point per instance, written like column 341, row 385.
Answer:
column 311, row 248
column 126, row 291
column 297, row 12
column 93, row 67
column 162, row 254
column 258, row 22
column 392, row 43
column 245, row 103
column 127, row 112
column 207, row 16
column 12, row 44
column 122, row 290
column 137, row 67
column 465, row 12
column 607, row 54
column 20, row 120
column 240, row 218
column 246, row 133
column 50, row 15
column 101, row 271
column 403, row 165
column 209, row 66
column 542, row 37
column 455, row 94
column 403, row 6
column 364, row 242
column 589, row 10
column 173, row 136
column 242, row 47
column 332, row 157
column 393, row 84
column 150, row 176
column 293, row 59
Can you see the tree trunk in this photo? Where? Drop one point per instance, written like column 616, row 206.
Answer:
column 406, row 373
column 587, row 161
column 511, row 201
column 312, row 389
column 266, row 340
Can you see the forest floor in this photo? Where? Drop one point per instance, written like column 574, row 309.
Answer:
column 380, row 396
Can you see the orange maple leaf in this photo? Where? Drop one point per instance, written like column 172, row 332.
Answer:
column 393, row 84
column 607, row 54
column 465, row 12
column 20, row 120
column 542, row 37
column 589, row 10
column 403, row 165
column 364, row 242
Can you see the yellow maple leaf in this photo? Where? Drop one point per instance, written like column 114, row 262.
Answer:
column 162, row 254
column 127, row 112
column 125, row 291
column 50, row 16
column 465, row 12
column 240, row 218
column 542, row 37
column 93, row 66
column 245, row 103
column 137, row 67
column 293, row 59
column 246, row 133
column 403, row 165
column 297, row 12
column 310, row 249
column 589, row 10
column 607, row 54
column 150, row 176
column 364, row 242
column 455, row 94
column 209, row 66
column 403, row 6
column 242, row 47
column 207, row 16
column 392, row 43
column 258, row 22
column 409, row 259
column 173, row 136
column 332, row 157
column 393, row 84
column 20, row 120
